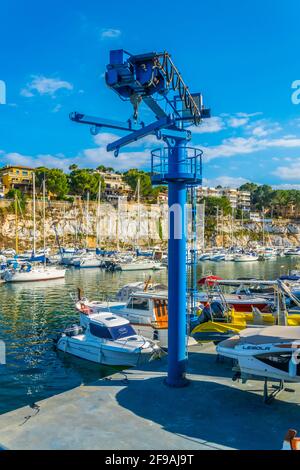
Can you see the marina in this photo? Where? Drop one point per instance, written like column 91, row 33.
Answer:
column 149, row 231
column 33, row 314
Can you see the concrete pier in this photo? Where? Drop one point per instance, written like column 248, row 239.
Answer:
column 135, row 410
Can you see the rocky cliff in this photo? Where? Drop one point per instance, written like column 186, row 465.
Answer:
column 125, row 225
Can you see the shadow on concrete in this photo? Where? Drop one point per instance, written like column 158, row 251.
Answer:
column 211, row 412
column 212, row 408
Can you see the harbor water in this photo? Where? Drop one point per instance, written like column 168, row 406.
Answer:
column 32, row 314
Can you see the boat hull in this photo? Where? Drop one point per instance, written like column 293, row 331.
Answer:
column 36, row 276
column 103, row 355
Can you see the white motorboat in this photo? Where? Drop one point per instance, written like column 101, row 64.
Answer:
column 205, row 256
column 108, row 339
column 88, row 260
column 211, row 255
column 141, row 265
column 9, row 252
column 245, row 258
column 68, row 254
column 293, row 252
column 270, row 352
column 29, row 274
column 220, row 256
column 146, row 311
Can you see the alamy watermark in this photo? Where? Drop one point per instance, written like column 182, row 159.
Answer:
column 2, row 92
column 296, row 94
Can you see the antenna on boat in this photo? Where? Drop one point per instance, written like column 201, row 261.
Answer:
column 147, row 283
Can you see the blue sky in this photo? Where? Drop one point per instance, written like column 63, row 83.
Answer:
column 243, row 56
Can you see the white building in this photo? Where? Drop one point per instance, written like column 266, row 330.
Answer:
column 115, row 186
column 238, row 199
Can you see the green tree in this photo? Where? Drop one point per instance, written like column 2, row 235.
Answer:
column 56, row 181
column 73, row 167
column 251, row 187
column 133, row 175
column 83, row 181
column 211, row 204
column 105, row 169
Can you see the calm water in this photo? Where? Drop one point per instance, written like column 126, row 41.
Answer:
column 31, row 315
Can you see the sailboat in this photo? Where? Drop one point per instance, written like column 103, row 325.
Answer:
column 27, row 272
column 89, row 259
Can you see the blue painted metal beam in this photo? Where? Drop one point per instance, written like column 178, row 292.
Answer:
column 102, row 122
column 158, row 111
column 140, row 133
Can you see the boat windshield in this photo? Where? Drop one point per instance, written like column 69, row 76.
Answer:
column 122, row 331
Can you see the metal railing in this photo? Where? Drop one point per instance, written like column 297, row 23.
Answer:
column 189, row 167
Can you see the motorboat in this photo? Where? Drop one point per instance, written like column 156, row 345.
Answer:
column 107, row 339
column 245, row 257
column 88, row 260
column 219, row 256
column 293, row 252
column 212, row 255
column 9, row 252
column 146, row 311
column 68, row 254
column 141, row 265
column 27, row 273
column 218, row 318
column 140, row 286
column 271, row 352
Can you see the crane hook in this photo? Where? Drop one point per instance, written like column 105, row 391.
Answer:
column 135, row 100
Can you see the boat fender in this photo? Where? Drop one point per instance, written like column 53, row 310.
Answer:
column 85, row 309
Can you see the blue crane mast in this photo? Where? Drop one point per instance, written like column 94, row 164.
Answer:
column 153, row 79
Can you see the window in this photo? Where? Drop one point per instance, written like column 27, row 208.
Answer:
column 100, row 331
column 24, row 172
column 139, row 304
column 121, row 331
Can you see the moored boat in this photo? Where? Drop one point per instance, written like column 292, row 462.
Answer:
column 33, row 274
column 107, row 339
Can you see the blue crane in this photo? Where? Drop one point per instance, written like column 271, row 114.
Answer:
column 153, row 79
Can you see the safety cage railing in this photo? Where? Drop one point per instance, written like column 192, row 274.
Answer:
column 187, row 169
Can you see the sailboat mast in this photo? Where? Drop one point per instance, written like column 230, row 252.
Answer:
column 98, row 217
column 16, row 220
column 87, row 219
column 203, row 226
column 263, row 225
column 217, row 221
column 118, row 224
column 44, row 218
column 139, row 212
column 33, row 210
